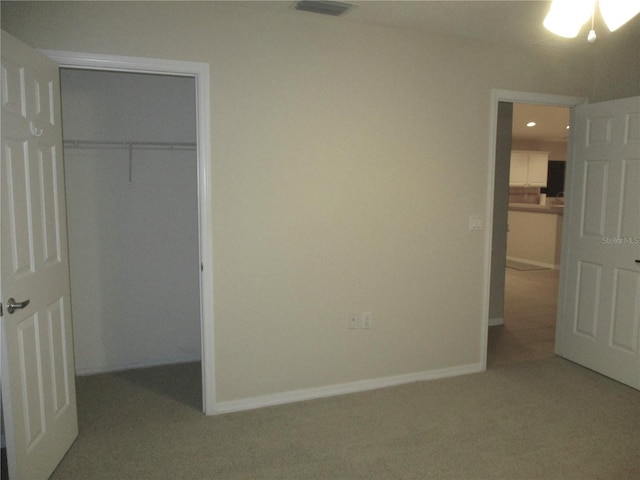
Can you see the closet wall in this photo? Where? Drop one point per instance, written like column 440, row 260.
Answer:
column 133, row 222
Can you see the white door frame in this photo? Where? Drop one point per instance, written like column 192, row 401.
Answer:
column 512, row 97
column 199, row 71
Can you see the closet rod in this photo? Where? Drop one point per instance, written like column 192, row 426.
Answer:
column 98, row 144
column 130, row 146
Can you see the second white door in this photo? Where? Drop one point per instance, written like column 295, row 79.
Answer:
column 599, row 315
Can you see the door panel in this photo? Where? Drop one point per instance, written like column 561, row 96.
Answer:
column 595, row 198
column 38, row 380
column 58, row 359
column 589, row 292
column 599, row 315
column 31, row 379
column 48, row 166
column 625, row 291
column 629, row 222
column 19, row 194
column 13, row 87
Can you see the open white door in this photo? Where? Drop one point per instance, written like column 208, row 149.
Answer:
column 599, row 315
column 38, row 381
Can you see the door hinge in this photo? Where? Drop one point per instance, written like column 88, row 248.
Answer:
column 1, row 309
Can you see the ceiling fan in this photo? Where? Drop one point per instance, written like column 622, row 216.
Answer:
column 566, row 17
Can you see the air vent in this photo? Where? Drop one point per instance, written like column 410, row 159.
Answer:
column 326, row 8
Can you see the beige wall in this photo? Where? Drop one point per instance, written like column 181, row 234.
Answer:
column 347, row 160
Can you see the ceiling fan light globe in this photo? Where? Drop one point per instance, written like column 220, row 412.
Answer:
column 616, row 13
column 566, row 17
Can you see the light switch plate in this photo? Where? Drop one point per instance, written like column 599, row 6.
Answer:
column 475, row 222
column 367, row 318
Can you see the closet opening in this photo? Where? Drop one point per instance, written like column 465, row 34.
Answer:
column 132, row 192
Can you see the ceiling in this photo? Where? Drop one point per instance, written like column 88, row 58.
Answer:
column 482, row 20
column 551, row 122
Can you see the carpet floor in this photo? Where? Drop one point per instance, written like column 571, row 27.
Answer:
column 530, row 305
column 545, row 419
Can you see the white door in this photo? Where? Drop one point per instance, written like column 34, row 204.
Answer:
column 599, row 318
column 38, row 382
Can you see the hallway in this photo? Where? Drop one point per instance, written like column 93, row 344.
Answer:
column 528, row 333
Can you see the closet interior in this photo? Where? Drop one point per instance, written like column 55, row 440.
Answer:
column 132, row 206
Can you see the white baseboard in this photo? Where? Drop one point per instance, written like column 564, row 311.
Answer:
column 117, row 367
column 341, row 389
column 496, row 321
column 534, row 262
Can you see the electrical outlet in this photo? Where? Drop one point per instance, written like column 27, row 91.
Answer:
column 354, row 320
column 367, row 317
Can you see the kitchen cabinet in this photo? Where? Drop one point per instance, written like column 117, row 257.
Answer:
column 528, row 169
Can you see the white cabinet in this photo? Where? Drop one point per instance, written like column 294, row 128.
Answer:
column 538, row 167
column 519, row 172
column 528, row 169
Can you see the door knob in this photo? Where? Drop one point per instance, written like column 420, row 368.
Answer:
column 12, row 305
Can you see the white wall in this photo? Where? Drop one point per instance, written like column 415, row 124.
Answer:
column 133, row 248
column 102, row 105
column 347, row 159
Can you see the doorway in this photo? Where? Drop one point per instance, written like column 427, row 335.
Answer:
column 199, row 72
column 539, row 140
column 513, row 292
column 132, row 209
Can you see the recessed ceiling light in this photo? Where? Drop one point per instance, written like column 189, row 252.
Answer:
column 568, row 127
column 531, row 124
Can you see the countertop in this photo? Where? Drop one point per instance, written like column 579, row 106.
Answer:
column 532, row 207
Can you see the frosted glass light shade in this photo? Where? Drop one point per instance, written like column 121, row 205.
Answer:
column 616, row 13
column 566, row 17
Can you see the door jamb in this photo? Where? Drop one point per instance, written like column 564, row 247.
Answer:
column 512, row 97
column 199, row 71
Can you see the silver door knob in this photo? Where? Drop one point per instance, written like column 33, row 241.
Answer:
column 12, row 305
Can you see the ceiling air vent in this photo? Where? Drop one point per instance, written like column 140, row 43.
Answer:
column 326, row 8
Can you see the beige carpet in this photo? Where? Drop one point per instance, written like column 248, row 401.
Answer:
column 547, row 419
column 530, row 305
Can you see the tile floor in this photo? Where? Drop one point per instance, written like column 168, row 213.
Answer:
column 528, row 333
